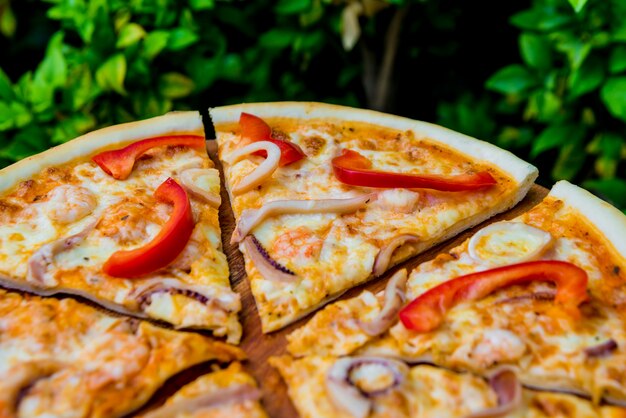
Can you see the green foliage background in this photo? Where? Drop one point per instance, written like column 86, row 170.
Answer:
column 546, row 79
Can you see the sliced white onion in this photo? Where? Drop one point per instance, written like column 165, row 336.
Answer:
column 509, row 242
column 227, row 395
column 269, row 269
column 352, row 399
column 263, row 170
column 394, row 298
column 251, row 218
column 40, row 261
column 384, row 255
column 508, row 389
column 198, row 181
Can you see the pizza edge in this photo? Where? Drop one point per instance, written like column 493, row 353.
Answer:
column 184, row 122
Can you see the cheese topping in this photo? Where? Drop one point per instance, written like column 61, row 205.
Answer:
column 61, row 201
column 337, row 252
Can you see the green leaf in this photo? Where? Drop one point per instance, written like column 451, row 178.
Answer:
column 7, row 21
column 586, row 79
column 535, row 50
column 181, row 38
column 53, row 69
column 111, row 74
column 288, row 7
column 278, row 38
column 537, row 19
column 578, row 4
column 129, row 35
column 175, row 85
column 83, row 89
column 155, row 42
column 613, row 95
column 202, row 4
column 570, row 160
column 573, row 47
column 543, row 106
column 609, row 146
column 613, row 190
column 513, row 79
column 6, row 116
column 72, row 127
column 20, row 114
column 554, row 136
column 6, row 89
column 617, row 60
column 28, row 141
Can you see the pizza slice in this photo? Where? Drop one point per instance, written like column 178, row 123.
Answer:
column 544, row 293
column 371, row 387
column 327, row 197
column 126, row 216
column 226, row 393
column 64, row 358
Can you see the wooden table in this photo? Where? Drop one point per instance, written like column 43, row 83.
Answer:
column 260, row 347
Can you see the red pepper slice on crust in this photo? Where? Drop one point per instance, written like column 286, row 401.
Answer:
column 168, row 243
column 356, row 170
column 119, row 163
column 427, row 311
column 255, row 129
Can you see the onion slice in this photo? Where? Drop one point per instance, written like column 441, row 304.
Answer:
column 40, row 261
column 231, row 394
column 251, row 218
column 602, row 350
column 343, row 390
column 384, row 255
column 503, row 243
column 263, row 170
column 228, row 302
column 190, row 179
column 507, row 387
column 270, row 269
column 394, row 298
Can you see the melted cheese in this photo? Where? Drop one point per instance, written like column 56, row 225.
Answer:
column 338, row 251
column 126, row 216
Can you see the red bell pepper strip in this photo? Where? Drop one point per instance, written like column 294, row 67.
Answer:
column 255, row 129
column 356, row 170
column 427, row 311
column 168, row 243
column 119, row 163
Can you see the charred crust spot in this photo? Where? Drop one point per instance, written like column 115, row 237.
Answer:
column 616, row 270
column 314, row 144
column 123, row 218
column 280, row 135
column 145, row 157
column 454, row 255
column 24, row 187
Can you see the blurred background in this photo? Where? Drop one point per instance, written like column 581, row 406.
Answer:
column 544, row 78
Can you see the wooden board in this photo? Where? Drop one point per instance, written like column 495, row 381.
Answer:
column 260, row 347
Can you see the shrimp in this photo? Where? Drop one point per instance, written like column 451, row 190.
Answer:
column 70, row 203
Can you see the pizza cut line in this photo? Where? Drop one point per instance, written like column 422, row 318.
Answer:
column 326, row 197
column 64, row 358
column 541, row 294
column 127, row 217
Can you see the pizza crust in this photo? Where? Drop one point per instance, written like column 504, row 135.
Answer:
column 608, row 220
column 189, row 122
column 521, row 171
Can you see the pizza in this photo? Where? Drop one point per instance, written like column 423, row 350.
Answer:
column 327, row 197
column 127, row 217
column 543, row 293
column 370, row 386
column 226, row 393
column 64, row 358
